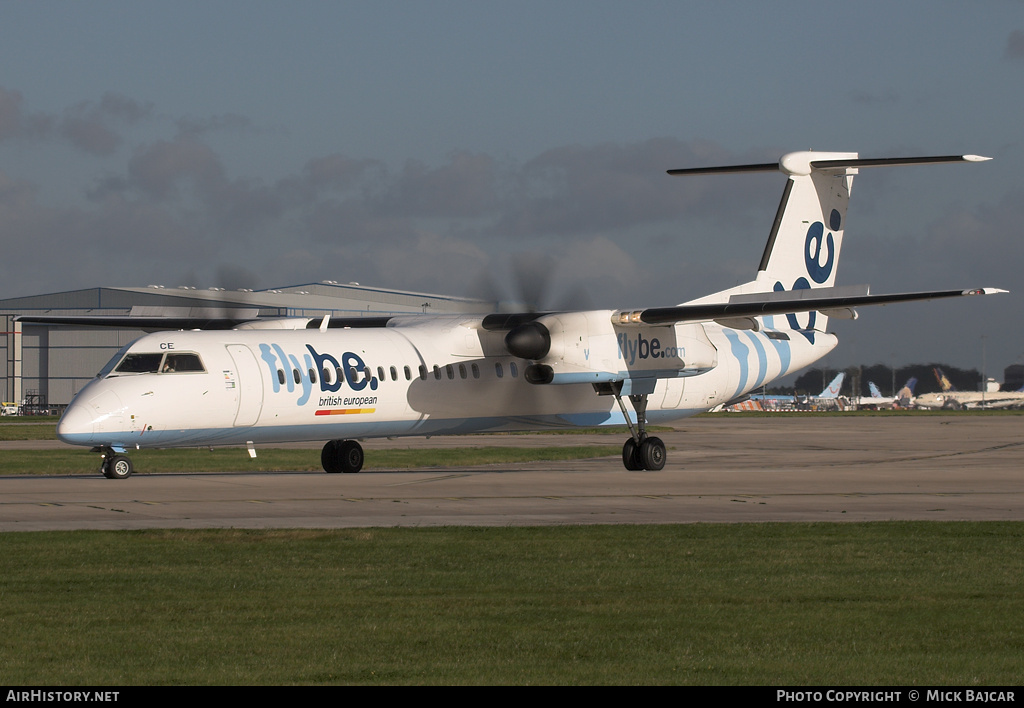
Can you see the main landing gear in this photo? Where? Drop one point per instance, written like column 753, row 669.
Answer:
column 342, row 456
column 114, row 466
column 640, row 452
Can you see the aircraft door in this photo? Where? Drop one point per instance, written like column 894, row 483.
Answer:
column 249, row 385
column 673, row 393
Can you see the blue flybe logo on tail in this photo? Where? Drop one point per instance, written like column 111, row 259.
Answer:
column 815, row 243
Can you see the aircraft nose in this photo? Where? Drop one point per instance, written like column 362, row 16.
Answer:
column 76, row 425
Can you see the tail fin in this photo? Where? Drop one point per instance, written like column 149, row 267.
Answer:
column 944, row 383
column 875, row 393
column 906, row 394
column 832, row 390
column 807, row 235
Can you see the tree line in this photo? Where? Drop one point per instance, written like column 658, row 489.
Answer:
column 814, row 380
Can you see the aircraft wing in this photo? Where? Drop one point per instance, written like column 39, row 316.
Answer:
column 156, row 323
column 834, row 301
column 130, row 322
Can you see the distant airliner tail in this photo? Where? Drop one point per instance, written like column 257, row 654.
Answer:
column 832, row 390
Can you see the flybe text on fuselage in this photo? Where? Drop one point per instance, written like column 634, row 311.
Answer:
column 637, row 346
column 287, row 372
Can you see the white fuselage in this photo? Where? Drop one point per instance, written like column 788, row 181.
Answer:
column 970, row 399
column 417, row 376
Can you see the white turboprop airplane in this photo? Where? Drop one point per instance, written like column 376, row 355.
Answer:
column 302, row 379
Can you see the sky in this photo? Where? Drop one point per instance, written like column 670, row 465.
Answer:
column 450, row 147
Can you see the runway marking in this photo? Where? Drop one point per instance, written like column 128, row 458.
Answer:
column 432, row 479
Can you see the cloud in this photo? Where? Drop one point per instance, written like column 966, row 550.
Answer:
column 14, row 123
column 161, row 169
column 1015, row 46
column 596, row 214
column 229, row 122
column 465, row 187
column 91, row 125
column 605, row 188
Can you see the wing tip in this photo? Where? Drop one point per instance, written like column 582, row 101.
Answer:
column 985, row 291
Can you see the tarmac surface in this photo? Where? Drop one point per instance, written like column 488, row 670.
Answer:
column 719, row 470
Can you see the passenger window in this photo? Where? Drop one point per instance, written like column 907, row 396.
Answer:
column 280, row 376
column 497, row 369
column 380, row 373
column 394, row 374
column 312, row 376
column 408, row 374
column 448, row 369
column 513, row 369
column 423, row 371
column 327, row 379
column 462, row 371
column 297, row 376
column 437, row 372
column 476, row 371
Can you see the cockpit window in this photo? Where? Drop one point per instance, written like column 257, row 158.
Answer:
column 182, row 362
column 109, row 366
column 139, row 364
column 145, row 363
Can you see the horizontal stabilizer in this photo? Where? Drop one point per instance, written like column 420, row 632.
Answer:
column 773, row 304
column 801, row 163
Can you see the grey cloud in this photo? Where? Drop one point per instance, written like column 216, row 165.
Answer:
column 159, row 169
column 229, row 122
column 340, row 172
column 465, row 187
column 90, row 125
column 1015, row 46
column 14, row 123
column 581, row 189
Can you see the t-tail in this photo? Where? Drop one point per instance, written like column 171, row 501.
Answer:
column 806, row 238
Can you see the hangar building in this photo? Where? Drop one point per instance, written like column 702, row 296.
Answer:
column 47, row 364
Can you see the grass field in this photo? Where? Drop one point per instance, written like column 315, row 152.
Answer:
column 777, row 604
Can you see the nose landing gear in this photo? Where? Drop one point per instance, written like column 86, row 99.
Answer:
column 114, row 466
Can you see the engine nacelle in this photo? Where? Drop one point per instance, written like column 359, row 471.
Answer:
column 579, row 347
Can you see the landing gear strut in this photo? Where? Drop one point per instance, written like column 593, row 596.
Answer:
column 640, row 452
column 114, row 466
column 342, row 456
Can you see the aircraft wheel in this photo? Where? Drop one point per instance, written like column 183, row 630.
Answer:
column 652, row 454
column 117, row 467
column 631, row 456
column 329, row 457
column 350, row 456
